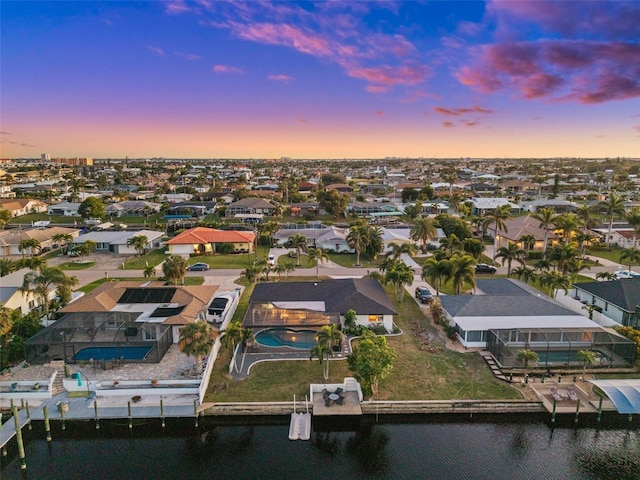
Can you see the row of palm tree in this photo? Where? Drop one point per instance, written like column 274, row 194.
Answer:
column 235, row 334
column 328, row 338
column 528, row 357
column 459, row 268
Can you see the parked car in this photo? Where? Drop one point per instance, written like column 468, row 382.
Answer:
column 271, row 259
column 198, row 267
column 423, row 295
column 484, row 268
column 624, row 274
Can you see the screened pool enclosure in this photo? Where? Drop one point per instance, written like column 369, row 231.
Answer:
column 558, row 347
column 100, row 337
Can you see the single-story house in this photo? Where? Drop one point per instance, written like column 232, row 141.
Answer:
column 518, row 227
column 133, row 208
column 130, row 321
column 200, row 208
column 328, row 238
column 617, row 299
column 201, row 240
column 22, row 206
column 250, row 206
column 10, row 239
column 484, row 206
column 67, row 209
column 116, row 242
column 559, row 206
column 13, row 298
column 621, row 237
column 506, row 316
column 314, row 304
column 340, row 187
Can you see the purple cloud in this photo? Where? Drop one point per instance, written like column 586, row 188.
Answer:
column 461, row 111
column 227, row 69
column 157, row 50
column 280, row 78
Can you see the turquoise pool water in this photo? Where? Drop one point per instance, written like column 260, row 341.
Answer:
column 286, row 337
column 111, row 353
column 566, row 357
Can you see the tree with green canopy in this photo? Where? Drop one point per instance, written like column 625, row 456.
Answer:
column 316, row 257
column 174, row 269
column 371, row 360
column 196, row 339
column 139, row 243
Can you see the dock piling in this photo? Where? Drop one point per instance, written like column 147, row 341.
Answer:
column 553, row 412
column 23, row 463
column 28, row 416
column 47, row 425
column 195, row 410
column 577, row 410
column 162, row 411
column 599, row 417
column 95, row 410
column 130, row 419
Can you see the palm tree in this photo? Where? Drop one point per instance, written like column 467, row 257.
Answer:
column 450, row 243
column 63, row 239
column 566, row 224
column 357, row 238
column 462, row 271
column 149, row 271
column 528, row 241
column 42, row 284
column 232, row 336
column 268, row 229
column 525, row 274
column 497, row 218
column 299, row 242
column 587, row 357
column 422, row 230
column 330, row 335
column 633, row 219
column 85, row 248
column 174, row 269
column 473, row 246
column 30, row 245
column 399, row 275
column 317, row 256
column 545, row 216
column 562, row 254
column 605, row 276
column 527, row 356
column 322, row 351
column 5, row 216
column 612, row 207
column 196, row 339
column 576, row 265
column 583, row 239
column 630, row 256
column 139, row 243
column 375, row 242
column 586, row 218
column 555, row 281
column 7, row 266
column 509, row 254
column 396, row 250
column 246, row 339
column 436, row 272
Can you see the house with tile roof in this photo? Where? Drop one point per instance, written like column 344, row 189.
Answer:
column 202, row 240
column 518, row 227
column 116, row 242
column 250, row 206
column 136, row 321
column 310, row 305
column 22, row 206
column 10, row 239
column 617, row 299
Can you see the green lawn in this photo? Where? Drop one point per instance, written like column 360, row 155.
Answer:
column 90, row 286
column 417, row 375
column 235, row 260
column 349, row 260
column 153, row 258
column 612, row 255
column 38, row 217
column 76, row 265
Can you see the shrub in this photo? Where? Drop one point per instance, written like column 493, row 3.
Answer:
column 225, row 248
column 535, row 255
column 378, row 329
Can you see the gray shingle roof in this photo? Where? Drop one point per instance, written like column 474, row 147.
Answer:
column 500, row 306
column 363, row 295
column 624, row 293
column 500, row 286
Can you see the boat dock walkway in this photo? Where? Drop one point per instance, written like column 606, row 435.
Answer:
column 108, row 408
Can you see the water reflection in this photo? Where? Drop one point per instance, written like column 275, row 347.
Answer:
column 369, row 447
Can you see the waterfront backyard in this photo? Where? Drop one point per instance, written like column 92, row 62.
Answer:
column 423, row 370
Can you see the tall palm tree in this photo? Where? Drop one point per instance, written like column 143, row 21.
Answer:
column 7, row 266
column 562, row 254
column 586, row 218
column 436, row 272
column 196, row 339
column 450, row 243
column 587, row 357
column 317, row 256
column 322, row 352
column 633, row 219
column 566, row 224
column 527, row 275
column 149, row 271
column 462, row 271
column 231, row 337
column 583, row 239
column 299, row 242
column 612, row 207
column 509, row 254
column 330, row 335
column 357, row 238
column 63, row 239
column 545, row 216
column 246, row 339
column 268, row 229
column 174, row 269
column 43, row 283
column 555, row 281
column 399, row 275
column 30, row 245
column 5, row 216
column 528, row 241
column 139, row 243
column 497, row 219
column 576, row 265
column 422, row 230
column 630, row 256
column 375, row 242
column 473, row 246
column 527, row 356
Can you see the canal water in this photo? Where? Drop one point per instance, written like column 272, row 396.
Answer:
column 412, row 447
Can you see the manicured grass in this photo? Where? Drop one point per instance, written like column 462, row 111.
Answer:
column 193, row 281
column 153, row 259
column 612, row 255
column 76, row 265
column 90, row 286
column 416, row 375
column 38, row 217
column 235, row 260
column 349, row 260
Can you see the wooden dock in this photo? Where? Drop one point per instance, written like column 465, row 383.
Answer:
column 350, row 405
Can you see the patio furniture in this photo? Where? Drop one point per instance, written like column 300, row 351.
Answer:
column 136, row 398
column 334, row 396
column 572, row 394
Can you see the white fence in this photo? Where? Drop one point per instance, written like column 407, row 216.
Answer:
column 577, row 306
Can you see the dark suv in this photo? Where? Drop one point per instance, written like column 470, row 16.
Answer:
column 423, row 294
column 484, row 268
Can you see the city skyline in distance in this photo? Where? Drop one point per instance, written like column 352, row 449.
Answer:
column 320, row 80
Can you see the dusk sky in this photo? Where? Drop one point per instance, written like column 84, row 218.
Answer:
column 258, row 79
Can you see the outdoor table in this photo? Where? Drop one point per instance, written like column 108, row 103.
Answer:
column 334, row 396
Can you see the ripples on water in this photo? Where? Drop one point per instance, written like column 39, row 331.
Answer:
column 492, row 448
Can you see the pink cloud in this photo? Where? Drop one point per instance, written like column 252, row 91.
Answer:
column 390, row 76
column 176, row 7
column 227, row 69
column 448, row 124
column 377, row 89
column 558, row 70
column 461, row 111
column 280, row 78
column 282, row 34
column 379, row 113
column 189, row 56
column 157, row 50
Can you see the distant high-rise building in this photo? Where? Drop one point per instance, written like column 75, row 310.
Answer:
column 45, row 157
column 75, row 162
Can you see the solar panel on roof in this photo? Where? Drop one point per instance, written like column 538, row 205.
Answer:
column 147, row 295
column 167, row 311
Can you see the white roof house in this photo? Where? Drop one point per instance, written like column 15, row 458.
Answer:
column 116, row 242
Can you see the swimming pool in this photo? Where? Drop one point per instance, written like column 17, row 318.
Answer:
column 286, row 337
column 110, row 353
column 568, row 356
